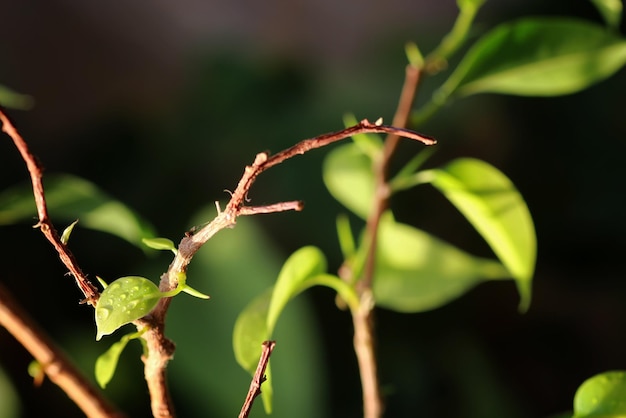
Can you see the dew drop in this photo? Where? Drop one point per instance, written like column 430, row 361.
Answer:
column 102, row 313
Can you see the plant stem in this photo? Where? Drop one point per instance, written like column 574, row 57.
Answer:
column 363, row 319
column 58, row 368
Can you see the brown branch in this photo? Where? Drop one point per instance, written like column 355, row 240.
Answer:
column 192, row 242
column 258, row 378
column 363, row 320
column 58, row 368
column 35, row 170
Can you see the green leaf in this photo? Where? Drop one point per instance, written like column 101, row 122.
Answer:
column 65, row 236
column 123, row 301
column 348, row 176
column 10, row 405
column 492, row 204
column 611, row 11
column 69, row 198
column 603, row 395
column 12, row 99
column 107, row 362
column 302, row 265
column 256, row 322
column 416, row 272
column 537, row 57
column 160, row 244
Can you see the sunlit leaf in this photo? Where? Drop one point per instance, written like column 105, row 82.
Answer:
column 602, row 396
column 416, row 272
column 349, row 178
column 492, row 204
column 256, row 322
column 537, row 57
column 611, row 11
column 123, row 301
column 107, row 362
column 69, row 198
column 302, row 265
column 160, row 244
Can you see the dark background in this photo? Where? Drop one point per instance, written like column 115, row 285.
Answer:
column 162, row 105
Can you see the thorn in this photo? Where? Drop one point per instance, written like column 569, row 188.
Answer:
column 379, row 121
column 217, row 204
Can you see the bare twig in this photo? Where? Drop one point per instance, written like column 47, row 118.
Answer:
column 258, row 378
column 34, row 168
column 363, row 320
column 58, row 368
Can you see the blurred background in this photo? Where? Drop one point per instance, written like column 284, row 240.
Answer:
column 162, row 104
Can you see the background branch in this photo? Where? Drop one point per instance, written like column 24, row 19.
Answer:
column 54, row 363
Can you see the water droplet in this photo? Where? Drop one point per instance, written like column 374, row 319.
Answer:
column 102, row 313
column 123, row 296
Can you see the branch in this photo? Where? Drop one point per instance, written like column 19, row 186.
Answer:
column 258, row 378
column 156, row 363
column 35, row 170
column 363, row 320
column 58, row 368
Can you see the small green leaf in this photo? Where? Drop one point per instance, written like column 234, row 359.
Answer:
column 65, row 237
column 107, row 362
column 349, row 178
column 492, row 204
column 414, row 55
column 69, row 198
column 123, row 301
column 602, row 396
column 160, row 244
column 346, row 239
column 195, row 293
column 611, row 11
column 416, row 272
column 537, row 57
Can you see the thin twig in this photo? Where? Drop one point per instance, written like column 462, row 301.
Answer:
column 58, row 368
column 258, row 378
column 35, row 170
column 363, row 320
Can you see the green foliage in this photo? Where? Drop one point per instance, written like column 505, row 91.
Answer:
column 160, row 244
column 537, row 57
column 123, row 301
column 70, row 198
column 416, row 272
column 107, row 362
column 9, row 401
column 492, row 204
column 602, row 396
column 611, row 11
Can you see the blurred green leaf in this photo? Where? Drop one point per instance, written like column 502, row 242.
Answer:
column 70, row 198
column 107, row 362
column 235, row 267
column 537, row 57
column 302, row 265
column 602, row 396
column 349, row 178
column 14, row 100
column 123, row 301
column 249, row 334
column 492, row 204
column 416, row 272
column 10, row 405
column 611, row 11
